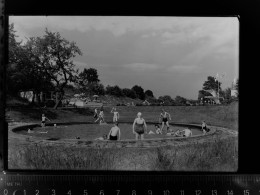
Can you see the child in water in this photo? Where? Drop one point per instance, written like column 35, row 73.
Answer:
column 204, row 127
column 44, row 120
column 157, row 129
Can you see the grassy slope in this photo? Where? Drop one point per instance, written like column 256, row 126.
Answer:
column 218, row 156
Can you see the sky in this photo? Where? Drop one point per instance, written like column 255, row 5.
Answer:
column 168, row 55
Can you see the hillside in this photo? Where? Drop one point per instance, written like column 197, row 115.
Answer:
column 222, row 115
column 112, row 100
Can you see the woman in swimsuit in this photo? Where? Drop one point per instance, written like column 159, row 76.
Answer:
column 139, row 127
column 164, row 119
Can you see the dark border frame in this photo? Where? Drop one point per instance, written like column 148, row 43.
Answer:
column 246, row 13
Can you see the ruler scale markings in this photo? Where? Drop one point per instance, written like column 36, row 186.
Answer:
column 236, row 182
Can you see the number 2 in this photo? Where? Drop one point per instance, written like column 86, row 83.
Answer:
column 198, row 192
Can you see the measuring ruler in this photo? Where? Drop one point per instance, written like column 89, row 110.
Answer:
column 18, row 184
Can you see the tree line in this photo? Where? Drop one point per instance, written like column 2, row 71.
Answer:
column 45, row 63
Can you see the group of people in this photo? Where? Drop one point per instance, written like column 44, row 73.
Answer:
column 101, row 118
column 139, row 126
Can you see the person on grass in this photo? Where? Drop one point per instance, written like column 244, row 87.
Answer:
column 114, row 133
column 139, row 127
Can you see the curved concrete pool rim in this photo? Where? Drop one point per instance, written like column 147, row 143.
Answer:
column 215, row 132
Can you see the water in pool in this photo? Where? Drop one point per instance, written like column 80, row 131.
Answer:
column 93, row 131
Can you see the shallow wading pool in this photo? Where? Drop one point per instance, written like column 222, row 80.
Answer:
column 92, row 131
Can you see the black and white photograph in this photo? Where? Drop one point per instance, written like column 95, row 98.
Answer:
column 123, row 93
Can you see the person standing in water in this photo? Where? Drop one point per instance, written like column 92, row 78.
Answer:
column 139, row 127
column 204, row 127
column 101, row 117
column 44, row 120
column 164, row 118
column 114, row 133
column 95, row 114
column 116, row 114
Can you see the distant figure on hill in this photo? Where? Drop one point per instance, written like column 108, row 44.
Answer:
column 116, row 114
column 44, row 120
column 204, row 127
column 164, row 118
column 157, row 129
column 95, row 114
column 114, row 133
column 139, row 127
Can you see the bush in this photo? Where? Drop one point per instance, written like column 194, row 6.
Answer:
column 121, row 104
column 49, row 103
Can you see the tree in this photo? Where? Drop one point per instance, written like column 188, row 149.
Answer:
column 53, row 55
column 96, row 89
column 226, row 93
column 180, row 101
column 23, row 72
column 202, row 94
column 166, row 100
column 88, row 82
column 114, row 90
column 237, row 87
column 88, row 76
column 139, row 92
column 211, row 83
column 14, row 76
column 148, row 93
column 129, row 93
